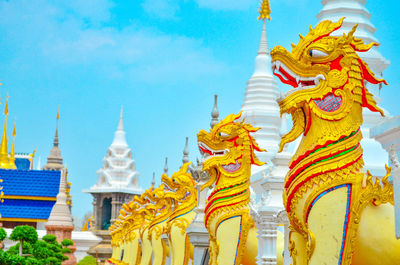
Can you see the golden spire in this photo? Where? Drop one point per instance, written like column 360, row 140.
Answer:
column 56, row 136
column 265, row 10
column 12, row 154
column 4, row 159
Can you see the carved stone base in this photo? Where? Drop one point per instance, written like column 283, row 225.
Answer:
column 199, row 238
column 102, row 251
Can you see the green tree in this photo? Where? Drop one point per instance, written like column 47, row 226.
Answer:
column 88, row 260
column 31, row 251
column 66, row 243
column 3, row 234
column 24, row 233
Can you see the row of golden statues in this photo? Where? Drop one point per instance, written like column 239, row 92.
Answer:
column 337, row 213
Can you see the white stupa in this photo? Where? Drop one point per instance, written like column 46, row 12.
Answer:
column 118, row 173
column 260, row 107
column 354, row 11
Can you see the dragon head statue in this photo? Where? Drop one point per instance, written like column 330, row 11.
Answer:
column 327, row 75
column 161, row 203
column 228, row 149
column 144, row 204
column 135, row 215
column 180, row 186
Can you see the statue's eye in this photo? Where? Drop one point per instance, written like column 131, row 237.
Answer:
column 222, row 134
column 317, row 53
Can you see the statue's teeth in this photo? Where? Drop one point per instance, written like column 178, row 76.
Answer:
column 278, row 64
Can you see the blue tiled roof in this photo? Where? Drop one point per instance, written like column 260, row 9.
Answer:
column 23, row 163
column 27, row 209
column 30, row 182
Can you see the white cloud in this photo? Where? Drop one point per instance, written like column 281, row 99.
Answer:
column 45, row 33
column 165, row 9
column 225, row 4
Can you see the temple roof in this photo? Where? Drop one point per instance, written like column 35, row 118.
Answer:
column 20, row 210
column 41, row 183
column 28, row 194
column 23, row 163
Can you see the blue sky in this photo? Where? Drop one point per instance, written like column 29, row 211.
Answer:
column 162, row 60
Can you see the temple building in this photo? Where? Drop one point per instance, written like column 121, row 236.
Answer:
column 27, row 196
column 39, row 198
column 117, row 181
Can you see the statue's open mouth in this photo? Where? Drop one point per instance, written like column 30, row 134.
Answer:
column 298, row 82
column 208, row 152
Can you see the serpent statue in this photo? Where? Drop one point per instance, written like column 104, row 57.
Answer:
column 126, row 231
column 144, row 231
column 116, row 234
column 135, row 220
column 337, row 213
column 228, row 150
column 181, row 188
column 162, row 207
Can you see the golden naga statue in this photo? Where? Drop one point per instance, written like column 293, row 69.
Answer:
column 337, row 214
column 167, row 209
column 229, row 153
column 180, row 188
column 133, row 222
column 162, row 207
column 145, row 235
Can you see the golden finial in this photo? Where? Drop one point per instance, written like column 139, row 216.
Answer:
column 6, row 108
column 12, row 153
column 4, row 158
column 14, row 133
column 33, row 153
column 58, row 112
column 265, row 10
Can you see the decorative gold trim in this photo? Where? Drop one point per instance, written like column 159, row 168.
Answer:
column 23, row 220
column 31, row 198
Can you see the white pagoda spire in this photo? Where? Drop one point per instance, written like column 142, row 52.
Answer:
column 118, row 173
column 355, row 12
column 214, row 113
column 185, row 157
column 260, row 107
column 166, row 166
column 60, row 214
column 119, row 136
